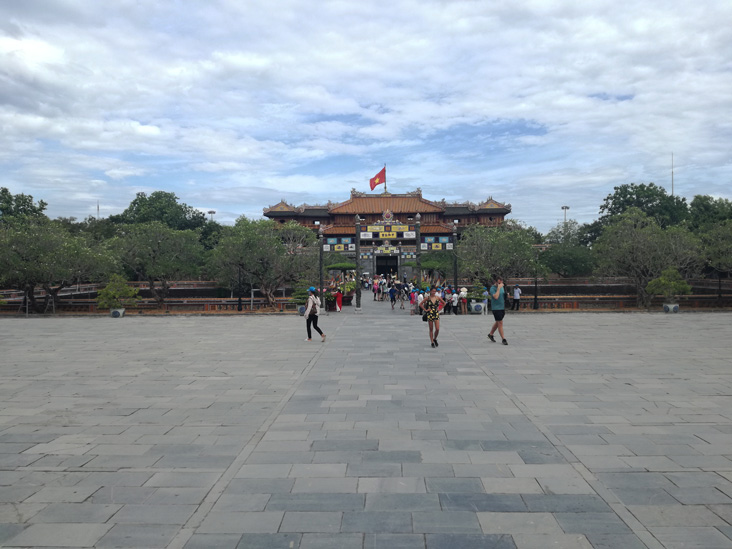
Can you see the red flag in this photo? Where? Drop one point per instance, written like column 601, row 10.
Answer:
column 378, row 179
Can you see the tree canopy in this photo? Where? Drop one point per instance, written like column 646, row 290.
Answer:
column 706, row 211
column 265, row 255
column 163, row 207
column 634, row 245
column 718, row 246
column 651, row 199
column 38, row 253
column 487, row 252
column 19, row 205
column 157, row 254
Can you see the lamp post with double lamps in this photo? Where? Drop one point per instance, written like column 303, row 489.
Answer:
column 358, row 264
column 419, row 250
column 454, row 255
column 238, row 288
column 536, row 278
column 565, row 208
column 320, row 267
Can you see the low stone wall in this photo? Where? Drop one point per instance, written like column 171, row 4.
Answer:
column 193, row 305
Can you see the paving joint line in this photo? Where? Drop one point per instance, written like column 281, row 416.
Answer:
column 619, row 509
column 185, row 533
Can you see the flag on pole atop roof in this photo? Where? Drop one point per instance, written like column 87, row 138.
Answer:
column 378, row 179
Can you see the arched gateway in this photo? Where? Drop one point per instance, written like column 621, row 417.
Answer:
column 390, row 224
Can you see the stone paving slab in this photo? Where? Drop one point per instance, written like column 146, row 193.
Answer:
column 587, row 431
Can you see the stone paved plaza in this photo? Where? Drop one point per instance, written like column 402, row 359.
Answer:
column 590, row 430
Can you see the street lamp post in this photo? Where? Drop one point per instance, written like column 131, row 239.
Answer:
column 419, row 249
column 238, row 287
column 536, row 278
column 399, row 262
column 358, row 264
column 565, row 208
column 320, row 268
column 454, row 255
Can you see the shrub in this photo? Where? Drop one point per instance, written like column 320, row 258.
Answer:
column 117, row 294
column 670, row 284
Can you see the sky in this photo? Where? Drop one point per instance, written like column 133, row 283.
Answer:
column 235, row 105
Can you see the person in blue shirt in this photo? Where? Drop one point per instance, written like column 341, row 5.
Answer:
column 498, row 306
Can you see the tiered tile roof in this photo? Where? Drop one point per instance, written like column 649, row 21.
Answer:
column 362, row 203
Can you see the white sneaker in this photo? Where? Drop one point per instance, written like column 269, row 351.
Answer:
column 308, row 340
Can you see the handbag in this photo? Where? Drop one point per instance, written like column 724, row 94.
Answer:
column 424, row 317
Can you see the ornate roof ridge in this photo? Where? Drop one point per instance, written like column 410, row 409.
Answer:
column 283, row 205
column 417, row 193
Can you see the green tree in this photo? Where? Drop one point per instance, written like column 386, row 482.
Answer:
column 266, row 255
column 706, row 211
column 438, row 264
column 568, row 260
column 651, row 199
column 566, row 255
column 99, row 229
column 117, row 294
column 19, row 205
column 634, row 245
column 38, row 253
column 670, row 284
column 209, row 234
column 96, row 229
column 590, row 232
column 163, row 207
column 486, row 252
column 158, row 255
column 717, row 242
column 564, row 233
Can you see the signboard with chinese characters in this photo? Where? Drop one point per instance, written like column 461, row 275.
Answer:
column 388, row 231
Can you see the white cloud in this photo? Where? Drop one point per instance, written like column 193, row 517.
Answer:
column 527, row 101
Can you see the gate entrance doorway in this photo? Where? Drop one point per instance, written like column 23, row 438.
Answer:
column 387, row 265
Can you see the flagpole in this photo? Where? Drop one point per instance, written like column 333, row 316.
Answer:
column 385, row 179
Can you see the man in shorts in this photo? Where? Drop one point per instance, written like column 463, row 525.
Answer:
column 498, row 306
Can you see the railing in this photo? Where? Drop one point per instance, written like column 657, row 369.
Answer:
column 202, row 305
column 283, row 305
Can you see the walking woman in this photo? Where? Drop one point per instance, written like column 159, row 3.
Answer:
column 311, row 314
column 432, row 305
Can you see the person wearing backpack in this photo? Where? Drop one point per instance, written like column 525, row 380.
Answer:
column 312, row 311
